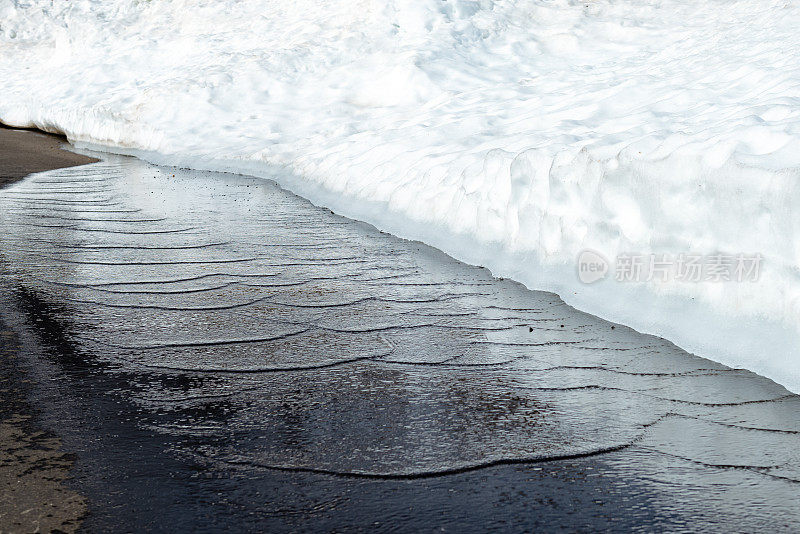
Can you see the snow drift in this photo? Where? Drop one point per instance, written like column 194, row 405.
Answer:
column 514, row 134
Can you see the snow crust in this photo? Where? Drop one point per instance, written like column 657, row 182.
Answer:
column 512, row 134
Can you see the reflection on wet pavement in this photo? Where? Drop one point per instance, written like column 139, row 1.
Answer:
column 257, row 361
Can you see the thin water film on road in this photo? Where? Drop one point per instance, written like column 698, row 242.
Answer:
column 221, row 353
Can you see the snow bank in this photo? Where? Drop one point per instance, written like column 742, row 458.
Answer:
column 513, row 134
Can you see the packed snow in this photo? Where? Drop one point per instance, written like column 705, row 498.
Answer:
column 513, row 134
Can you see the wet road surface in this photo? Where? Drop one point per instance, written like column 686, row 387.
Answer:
column 222, row 355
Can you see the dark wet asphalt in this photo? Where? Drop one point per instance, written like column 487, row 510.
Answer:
column 222, row 355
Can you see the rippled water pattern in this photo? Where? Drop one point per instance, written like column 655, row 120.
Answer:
column 256, row 335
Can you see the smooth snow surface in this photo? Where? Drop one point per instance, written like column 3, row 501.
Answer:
column 514, row 134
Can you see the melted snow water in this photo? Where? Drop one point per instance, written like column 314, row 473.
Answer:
column 222, row 354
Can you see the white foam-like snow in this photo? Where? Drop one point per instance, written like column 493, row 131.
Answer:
column 513, row 134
